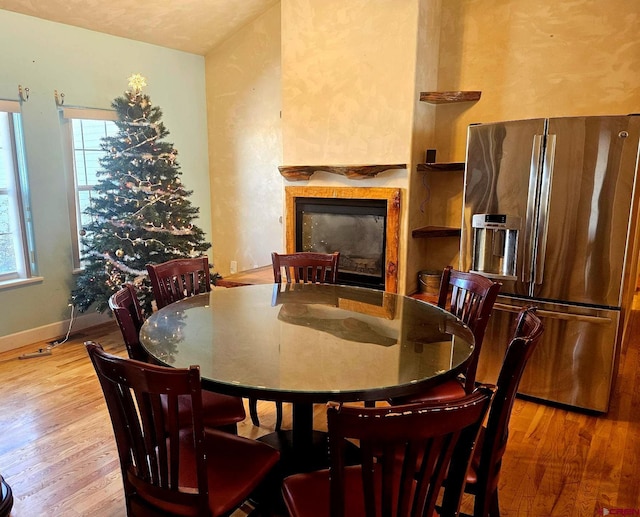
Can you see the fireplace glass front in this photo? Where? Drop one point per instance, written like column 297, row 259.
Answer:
column 354, row 227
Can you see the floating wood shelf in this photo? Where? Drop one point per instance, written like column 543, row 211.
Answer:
column 355, row 172
column 436, row 231
column 448, row 97
column 444, row 167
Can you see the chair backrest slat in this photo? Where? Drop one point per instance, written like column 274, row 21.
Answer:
column 179, row 278
column 306, row 267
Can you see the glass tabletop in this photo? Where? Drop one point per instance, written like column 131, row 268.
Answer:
column 306, row 342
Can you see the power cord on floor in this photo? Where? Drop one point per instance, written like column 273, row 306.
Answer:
column 66, row 337
column 47, row 350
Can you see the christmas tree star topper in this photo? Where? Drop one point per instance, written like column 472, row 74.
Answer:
column 137, row 82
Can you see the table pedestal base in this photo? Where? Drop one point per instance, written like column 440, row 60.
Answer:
column 295, row 460
column 292, row 461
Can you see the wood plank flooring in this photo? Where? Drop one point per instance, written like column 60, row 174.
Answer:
column 58, row 453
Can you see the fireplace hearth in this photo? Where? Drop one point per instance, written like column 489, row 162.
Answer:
column 360, row 223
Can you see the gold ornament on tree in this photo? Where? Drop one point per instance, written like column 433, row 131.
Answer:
column 119, row 253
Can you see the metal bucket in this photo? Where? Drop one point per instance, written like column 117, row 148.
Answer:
column 429, row 281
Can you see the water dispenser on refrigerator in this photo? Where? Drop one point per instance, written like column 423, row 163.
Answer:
column 495, row 245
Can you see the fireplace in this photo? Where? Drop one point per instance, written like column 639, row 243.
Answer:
column 360, row 223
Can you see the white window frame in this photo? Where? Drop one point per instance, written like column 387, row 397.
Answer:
column 68, row 115
column 17, row 191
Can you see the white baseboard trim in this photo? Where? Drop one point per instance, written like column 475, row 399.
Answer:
column 51, row 331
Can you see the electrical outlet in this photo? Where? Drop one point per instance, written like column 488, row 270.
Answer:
column 233, row 268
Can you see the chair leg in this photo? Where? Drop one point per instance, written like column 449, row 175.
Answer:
column 253, row 411
column 494, row 508
column 486, row 504
column 278, row 415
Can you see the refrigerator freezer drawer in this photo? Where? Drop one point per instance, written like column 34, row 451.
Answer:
column 574, row 361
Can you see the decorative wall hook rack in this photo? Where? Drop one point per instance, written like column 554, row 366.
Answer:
column 59, row 97
column 23, row 93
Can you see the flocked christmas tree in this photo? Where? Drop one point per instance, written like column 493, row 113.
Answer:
column 140, row 212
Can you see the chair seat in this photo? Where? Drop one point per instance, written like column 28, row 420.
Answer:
column 474, row 466
column 444, row 392
column 235, row 464
column 217, row 410
column 307, row 495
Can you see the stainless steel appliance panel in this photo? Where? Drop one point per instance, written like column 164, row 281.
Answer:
column 583, row 222
column 575, row 360
column 501, row 158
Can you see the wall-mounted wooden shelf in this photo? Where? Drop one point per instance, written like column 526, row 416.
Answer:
column 435, row 231
column 355, row 172
column 442, row 167
column 448, row 97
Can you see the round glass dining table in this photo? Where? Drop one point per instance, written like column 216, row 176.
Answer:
column 309, row 343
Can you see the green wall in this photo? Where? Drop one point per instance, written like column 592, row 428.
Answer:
column 91, row 69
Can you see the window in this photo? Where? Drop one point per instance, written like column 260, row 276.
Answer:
column 85, row 129
column 17, row 257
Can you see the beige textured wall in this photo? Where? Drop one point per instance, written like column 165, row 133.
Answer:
column 348, row 76
column 347, row 81
column 422, row 206
column 529, row 59
column 536, row 59
column 243, row 109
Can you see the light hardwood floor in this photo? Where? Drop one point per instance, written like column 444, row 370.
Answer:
column 58, row 453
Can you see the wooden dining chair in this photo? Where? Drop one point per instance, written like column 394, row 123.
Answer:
column 302, row 267
column 179, row 278
column 125, row 306
column 484, row 472
column 306, row 267
column 470, row 297
column 219, row 411
column 168, row 469
column 405, row 452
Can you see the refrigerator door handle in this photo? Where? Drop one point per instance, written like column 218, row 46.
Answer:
column 556, row 315
column 532, row 200
column 543, row 208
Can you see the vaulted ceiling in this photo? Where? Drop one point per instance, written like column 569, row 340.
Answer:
column 194, row 26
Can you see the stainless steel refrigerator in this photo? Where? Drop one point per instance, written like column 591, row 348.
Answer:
column 548, row 212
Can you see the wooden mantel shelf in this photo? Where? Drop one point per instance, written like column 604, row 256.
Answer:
column 355, row 172
column 443, row 167
column 435, row 231
column 447, row 97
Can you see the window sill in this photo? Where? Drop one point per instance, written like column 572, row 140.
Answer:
column 16, row 282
